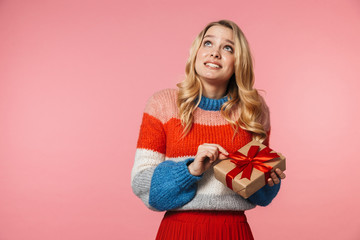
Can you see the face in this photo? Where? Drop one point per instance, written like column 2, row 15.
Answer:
column 215, row 58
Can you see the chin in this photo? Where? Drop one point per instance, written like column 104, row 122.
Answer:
column 215, row 80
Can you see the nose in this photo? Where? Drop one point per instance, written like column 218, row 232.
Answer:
column 215, row 53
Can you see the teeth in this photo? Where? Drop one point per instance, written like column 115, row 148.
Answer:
column 212, row 65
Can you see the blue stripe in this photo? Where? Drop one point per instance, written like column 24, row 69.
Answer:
column 212, row 104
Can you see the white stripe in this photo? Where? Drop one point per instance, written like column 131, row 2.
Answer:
column 179, row 159
column 144, row 159
column 207, row 185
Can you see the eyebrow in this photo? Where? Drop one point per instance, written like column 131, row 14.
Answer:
column 227, row 40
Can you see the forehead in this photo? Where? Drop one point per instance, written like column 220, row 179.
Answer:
column 220, row 32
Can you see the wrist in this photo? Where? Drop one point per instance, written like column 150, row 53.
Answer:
column 192, row 171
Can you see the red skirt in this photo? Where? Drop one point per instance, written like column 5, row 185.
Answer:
column 209, row 225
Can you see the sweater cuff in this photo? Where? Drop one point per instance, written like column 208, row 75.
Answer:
column 182, row 176
column 265, row 195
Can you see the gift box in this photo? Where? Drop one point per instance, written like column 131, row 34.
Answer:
column 247, row 170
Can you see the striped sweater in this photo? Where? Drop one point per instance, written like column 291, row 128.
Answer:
column 160, row 176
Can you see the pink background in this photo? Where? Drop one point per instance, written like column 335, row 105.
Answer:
column 74, row 79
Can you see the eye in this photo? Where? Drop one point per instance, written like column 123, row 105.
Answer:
column 228, row 48
column 207, row 43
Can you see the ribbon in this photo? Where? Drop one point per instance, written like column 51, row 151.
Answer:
column 245, row 164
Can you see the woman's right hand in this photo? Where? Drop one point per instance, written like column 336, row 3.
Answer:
column 207, row 154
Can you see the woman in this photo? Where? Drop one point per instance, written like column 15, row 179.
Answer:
column 215, row 111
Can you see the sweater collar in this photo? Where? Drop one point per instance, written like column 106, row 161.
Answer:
column 212, row 104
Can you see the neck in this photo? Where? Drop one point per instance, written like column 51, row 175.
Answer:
column 213, row 92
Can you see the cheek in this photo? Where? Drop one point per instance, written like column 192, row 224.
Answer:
column 230, row 63
column 197, row 65
column 198, row 59
column 200, row 53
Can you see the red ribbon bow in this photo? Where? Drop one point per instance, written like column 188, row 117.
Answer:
column 245, row 164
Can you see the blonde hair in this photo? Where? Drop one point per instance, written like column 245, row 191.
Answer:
column 241, row 94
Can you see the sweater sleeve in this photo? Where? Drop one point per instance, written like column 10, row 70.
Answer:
column 160, row 184
column 172, row 185
column 266, row 194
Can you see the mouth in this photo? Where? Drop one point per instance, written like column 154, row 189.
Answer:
column 212, row 65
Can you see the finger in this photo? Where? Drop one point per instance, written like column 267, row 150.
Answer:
column 280, row 173
column 209, row 147
column 202, row 156
column 223, row 156
column 213, row 149
column 211, row 156
column 270, row 182
column 222, row 150
column 215, row 156
column 275, row 178
column 218, row 147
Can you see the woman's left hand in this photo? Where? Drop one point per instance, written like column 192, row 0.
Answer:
column 274, row 177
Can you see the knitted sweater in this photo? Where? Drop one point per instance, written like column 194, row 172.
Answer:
column 160, row 176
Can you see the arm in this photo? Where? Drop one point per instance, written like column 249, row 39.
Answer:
column 266, row 194
column 160, row 184
column 172, row 185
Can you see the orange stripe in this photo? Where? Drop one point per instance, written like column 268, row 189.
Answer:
column 152, row 134
column 166, row 138
column 222, row 135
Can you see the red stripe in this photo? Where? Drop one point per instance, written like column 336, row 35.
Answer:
column 167, row 138
column 152, row 134
column 222, row 135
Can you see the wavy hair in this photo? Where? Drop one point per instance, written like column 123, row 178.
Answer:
column 245, row 107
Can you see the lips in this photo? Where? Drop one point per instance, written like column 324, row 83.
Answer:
column 213, row 65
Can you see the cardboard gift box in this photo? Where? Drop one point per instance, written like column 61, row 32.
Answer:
column 247, row 170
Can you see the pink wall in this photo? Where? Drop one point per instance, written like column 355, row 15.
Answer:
column 74, row 78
